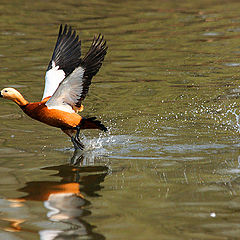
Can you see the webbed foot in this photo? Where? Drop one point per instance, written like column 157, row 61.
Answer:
column 76, row 141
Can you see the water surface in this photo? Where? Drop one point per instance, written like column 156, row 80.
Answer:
column 168, row 91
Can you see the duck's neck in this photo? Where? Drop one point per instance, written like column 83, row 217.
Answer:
column 20, row 100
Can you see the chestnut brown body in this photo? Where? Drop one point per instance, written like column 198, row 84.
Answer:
column 53, row 117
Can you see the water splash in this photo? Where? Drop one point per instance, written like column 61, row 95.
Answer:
column 237, row 118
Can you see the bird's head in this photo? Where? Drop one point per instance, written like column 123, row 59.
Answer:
column 14, row 95
column 9, row 93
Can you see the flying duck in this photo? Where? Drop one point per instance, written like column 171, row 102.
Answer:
column 67, row 81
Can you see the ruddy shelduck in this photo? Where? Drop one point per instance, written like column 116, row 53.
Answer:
column 67, row 81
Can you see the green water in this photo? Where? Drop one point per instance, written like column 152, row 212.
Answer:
column 169, row 93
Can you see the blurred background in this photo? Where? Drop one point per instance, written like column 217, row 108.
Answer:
column 169, row 93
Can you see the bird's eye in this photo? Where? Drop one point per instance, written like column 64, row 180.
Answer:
column 6, row 91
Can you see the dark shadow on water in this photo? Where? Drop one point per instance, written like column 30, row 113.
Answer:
column 66, row 199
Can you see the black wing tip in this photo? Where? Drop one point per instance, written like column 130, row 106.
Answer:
column 96, row 53
column 67, row 51
column 92, row 62
column 99, row 41
column 68, row 47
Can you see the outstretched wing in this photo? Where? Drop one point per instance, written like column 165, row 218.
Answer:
column 66, row 57
column 74, row 88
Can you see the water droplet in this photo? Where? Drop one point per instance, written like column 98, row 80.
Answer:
column 213, row 214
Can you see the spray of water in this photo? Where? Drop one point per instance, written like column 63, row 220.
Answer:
column 237, row 117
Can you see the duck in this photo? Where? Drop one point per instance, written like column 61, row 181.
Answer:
column 67, row 81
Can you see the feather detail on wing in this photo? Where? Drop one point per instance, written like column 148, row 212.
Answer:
column 74, row 88
column 66, row 57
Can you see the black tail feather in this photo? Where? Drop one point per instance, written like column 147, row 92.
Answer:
column 92, row 123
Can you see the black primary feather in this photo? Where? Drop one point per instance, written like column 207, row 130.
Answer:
column 91, row 64
column 67, row 52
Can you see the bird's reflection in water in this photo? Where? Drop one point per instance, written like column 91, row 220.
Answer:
column 78, row 158
column 64, row 200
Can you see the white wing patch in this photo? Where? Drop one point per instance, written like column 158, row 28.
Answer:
column 52, row 79
column 64, row 107
column 68, row 92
